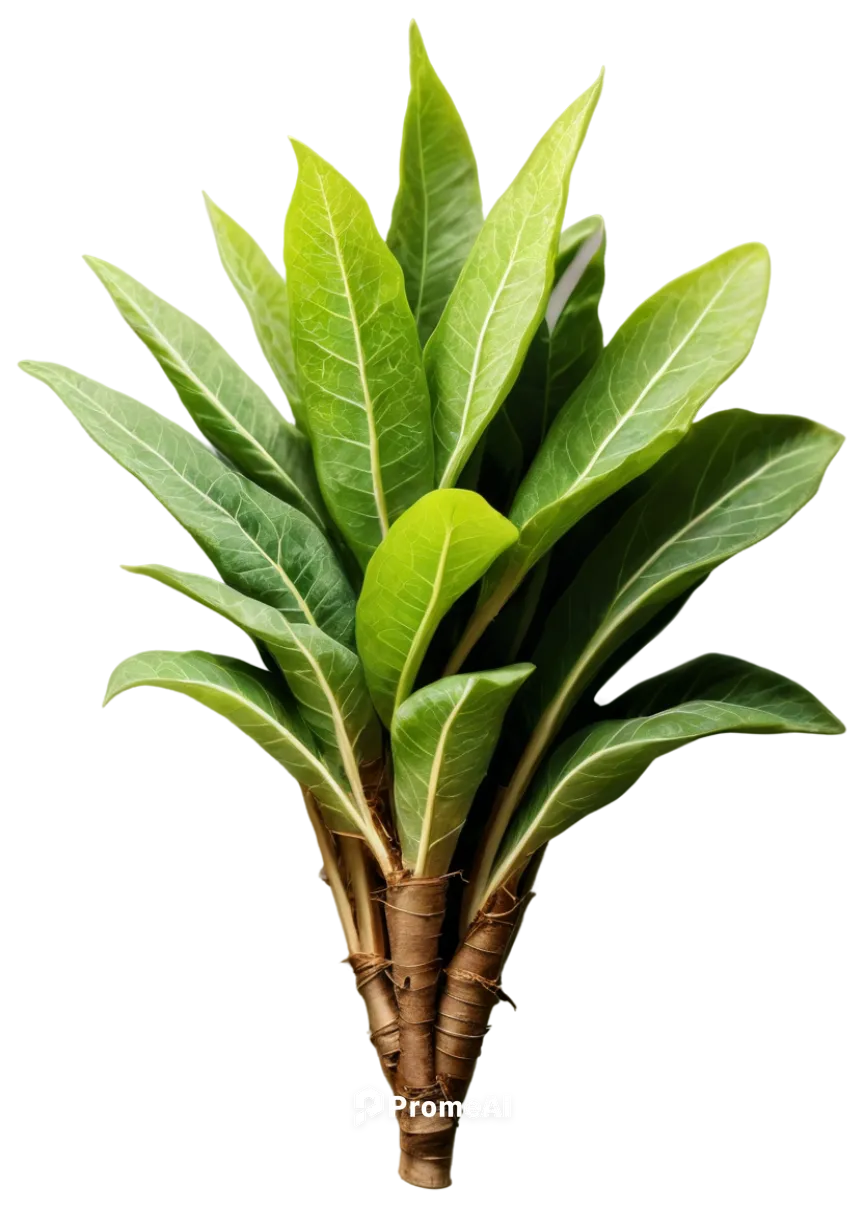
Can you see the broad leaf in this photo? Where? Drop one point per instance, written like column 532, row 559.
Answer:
column 227, row 406
column 728, row 680
column 437, row 212
column 568, row 340
column 715, row 694
column 475, row 352
column 736, row 478
column 260, row 545
column 431, row 556
column 250, row 699
column 443, row 739
column 262, row 292
column 358, row 357
column 635, row 404
column 324, row 676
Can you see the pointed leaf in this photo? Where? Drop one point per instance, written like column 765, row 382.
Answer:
column 358, row 357
column 324, row 676
column 431, row 556
column 568, row 340
column 636, row 403
column 736, row 478
column 724, row 678
column 249, row 699
column 474, row 354
column 712, row 695
column 260, row 545
column 443, row 739
column 262, row 291
column 437, row 212
column 227, row 406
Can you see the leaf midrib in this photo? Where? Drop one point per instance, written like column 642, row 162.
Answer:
column 574, row 489
column 475, row 367
column 374, row 456
column 292, row 740
column 210, row 500
column 212, row 398
column 408, row 671
column 424, row 845
column 616, row 749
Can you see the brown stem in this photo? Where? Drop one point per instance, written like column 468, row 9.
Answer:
column 370, row 968
column 375, row 988
column 472, row 986
column 415, row 916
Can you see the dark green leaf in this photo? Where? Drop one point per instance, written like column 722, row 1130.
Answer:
column 260, row 545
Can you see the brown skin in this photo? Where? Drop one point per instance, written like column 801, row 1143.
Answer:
column 442, row 1027
column 375, row 988
column 415, row 909
column 472, row 987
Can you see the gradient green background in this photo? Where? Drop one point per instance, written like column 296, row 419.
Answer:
column 174, row 1027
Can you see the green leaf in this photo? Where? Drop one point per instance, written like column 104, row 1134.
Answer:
column 568, row 340
column 250, row 699
column 443, row 739
column 437, row 212
column 735, row 479
column 475, row 352
column 714, row 694
column 324, row 676
column 260, row 545
column 635, row 404
column 227, row 406
column 431, row 556
column 720, row 678
column 358, row 357
column 262, row 292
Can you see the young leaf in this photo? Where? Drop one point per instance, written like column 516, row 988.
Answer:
column 437, row 212
column 249, row 698
column 262, row 292
column 260, row 545
column 431, row 556
column 715, row 694
column 324, row 676
column 358, row 357
column 227, row 406
column 475, row 352
column 635, row 404
column 443, row 738
column 735, row 479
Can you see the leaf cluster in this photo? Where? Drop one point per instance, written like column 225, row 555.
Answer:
column 479, row 511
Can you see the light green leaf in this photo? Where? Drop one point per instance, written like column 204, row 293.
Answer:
column 358, row 357
column 635, row 404
column 437, row 212
column 443, row 739
column 324, row 676
column 475, row 352
column 568, row 340
column 735, row 479
column 262, row 292
column 714, row 694
column 227, row 406
column 249, row 698
column 260, row 545
column 431, row 556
